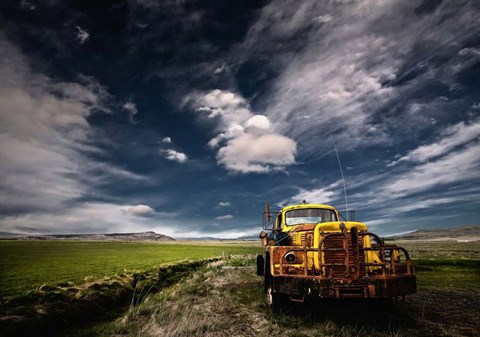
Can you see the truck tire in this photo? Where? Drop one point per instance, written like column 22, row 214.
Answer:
column 260, row 265
column 278, row 303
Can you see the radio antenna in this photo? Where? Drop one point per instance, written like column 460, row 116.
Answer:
column 343, row 178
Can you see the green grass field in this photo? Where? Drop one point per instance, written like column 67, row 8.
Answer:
column 445, row 265
column 26, row 265
column 448, row 275
column 445, row 305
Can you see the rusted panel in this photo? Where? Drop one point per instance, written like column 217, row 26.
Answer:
column 303, row 228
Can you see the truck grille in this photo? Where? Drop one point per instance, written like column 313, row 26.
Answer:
column 335, row 256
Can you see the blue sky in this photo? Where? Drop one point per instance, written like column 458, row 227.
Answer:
column 185, row 117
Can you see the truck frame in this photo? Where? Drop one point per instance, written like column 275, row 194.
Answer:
column 310, row 253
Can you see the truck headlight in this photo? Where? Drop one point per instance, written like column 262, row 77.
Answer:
column 290, row 257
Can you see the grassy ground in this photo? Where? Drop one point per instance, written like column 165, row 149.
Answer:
column 446, row 265
column 26, row 265
column 223, row 301
column 442, row 250
column 226, row 298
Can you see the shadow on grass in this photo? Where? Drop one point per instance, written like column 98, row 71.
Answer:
column 375, row 314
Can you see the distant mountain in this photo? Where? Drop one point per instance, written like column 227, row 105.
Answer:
column 143, row 236
column 248, row 238
column 465, row 233
column 213, row 238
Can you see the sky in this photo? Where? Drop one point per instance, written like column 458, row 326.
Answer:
column 185, row 117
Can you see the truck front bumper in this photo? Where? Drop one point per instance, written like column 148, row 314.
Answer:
column 364, row 287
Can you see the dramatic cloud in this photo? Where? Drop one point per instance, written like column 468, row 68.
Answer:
column 346, row 70
column 44, row 132
column 251, row 153
column 224, row 204
column 167, row 140
column 140, row 210
column 173, row 155
column 84, row 218
column 245, row 142
column 224, row 217
column 47, row 146
column 459, row 134
column 445, row 170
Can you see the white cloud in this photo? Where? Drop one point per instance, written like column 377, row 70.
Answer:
column 252, row 153
column 469, row 52
column 316, row 195
column 233, row 131
column 324, row 18
column 245, row 141
column 224, row 217
column 173, row 155
column 258, row 121
column 224, row 204
column 130, row 107
column 93, row 217
column 454, row 136
column 421, row 185
column 422, row 204
column 167, row 140
column 220, row 69
column 140, row 210
column 228, row 107
column 215, row 141
column 132, row 110
column 443, row 171
column 82, row 35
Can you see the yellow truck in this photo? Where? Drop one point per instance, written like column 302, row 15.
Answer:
column 311, row 253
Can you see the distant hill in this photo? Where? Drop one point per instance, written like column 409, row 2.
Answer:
column 465, row 233
column 143, row 236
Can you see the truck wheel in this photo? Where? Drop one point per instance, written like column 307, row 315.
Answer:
column 260, row 265
column 277, row 303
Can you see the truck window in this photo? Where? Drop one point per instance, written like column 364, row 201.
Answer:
column 309, row 215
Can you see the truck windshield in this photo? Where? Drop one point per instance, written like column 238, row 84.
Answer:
column 309, row 215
